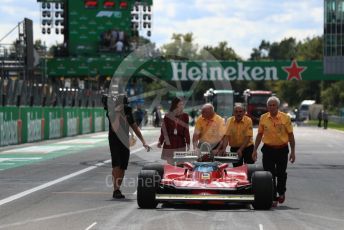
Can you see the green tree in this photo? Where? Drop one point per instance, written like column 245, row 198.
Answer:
column 333, row 96
column 221, row 52
column 182, row 47
column 286, row 49
column 39, row 45
column 262, row 52
column 310, row 49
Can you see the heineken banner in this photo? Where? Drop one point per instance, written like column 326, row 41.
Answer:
column 33, row 124
column 98, row 120
column 53, row 121
column 191, row 70
column 85, row 120
column 71, row 122
column 10, row 126
column 30, row 124
column 249, row 71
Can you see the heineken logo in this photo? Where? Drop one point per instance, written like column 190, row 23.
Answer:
column 183, row 72
column 294, row 71
column 208, row 71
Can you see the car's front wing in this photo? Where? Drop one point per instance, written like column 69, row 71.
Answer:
column 206, row 197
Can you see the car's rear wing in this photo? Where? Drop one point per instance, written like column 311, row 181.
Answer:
column 186, row 156
column 228, row 157
column 191, row 156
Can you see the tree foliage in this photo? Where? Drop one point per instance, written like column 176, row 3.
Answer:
column 333, row 95
column 310, row 49
column 221, row 52
column 181, row 47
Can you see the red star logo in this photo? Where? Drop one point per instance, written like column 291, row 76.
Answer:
column 294, row 71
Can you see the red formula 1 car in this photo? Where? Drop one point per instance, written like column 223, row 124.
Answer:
column 198, row 178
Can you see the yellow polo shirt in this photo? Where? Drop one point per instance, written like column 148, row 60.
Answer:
column 275, row 130
column 238, row 131
column 212, row 130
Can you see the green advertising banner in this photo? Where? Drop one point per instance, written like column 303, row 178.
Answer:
column 85, row 116
column 191, row 70
column 33, row 124
column 10, row 126
column 70, row 122
column 30, row 124
column 98, row 120
column 53, row 123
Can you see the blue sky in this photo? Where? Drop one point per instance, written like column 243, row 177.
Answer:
column 242, row 23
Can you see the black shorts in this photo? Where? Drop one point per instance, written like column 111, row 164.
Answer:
column 119, row 153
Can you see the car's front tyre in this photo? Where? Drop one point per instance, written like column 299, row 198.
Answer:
column 155, row 166
column 262, row 186
column 148, row 183
column 252, row 168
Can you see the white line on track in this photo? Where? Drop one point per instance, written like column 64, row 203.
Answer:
column 56, row 216
column 51, row 183
column 91, row 226
column 261, row 227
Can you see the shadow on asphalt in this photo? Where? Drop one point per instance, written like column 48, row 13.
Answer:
column 125, row 200
column 206, row 207
column 284, row 207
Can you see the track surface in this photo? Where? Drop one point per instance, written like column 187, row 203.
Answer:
column 66, row 184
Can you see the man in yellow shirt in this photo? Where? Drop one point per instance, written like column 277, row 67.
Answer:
column 238, row 135
column 276, row 132
column 209, row 128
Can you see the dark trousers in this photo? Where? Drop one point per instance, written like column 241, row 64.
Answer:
column 246, row 156
column 325, row 124
column 276, row 161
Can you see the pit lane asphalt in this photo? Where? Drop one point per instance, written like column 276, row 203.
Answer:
column 314, row 196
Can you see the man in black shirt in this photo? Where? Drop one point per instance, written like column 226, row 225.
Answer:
column 120, row 118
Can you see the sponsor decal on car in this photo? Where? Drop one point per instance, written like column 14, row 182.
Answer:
column 205, row 176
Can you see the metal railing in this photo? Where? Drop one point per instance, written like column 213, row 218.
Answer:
column 28, row 93
column 336, row 119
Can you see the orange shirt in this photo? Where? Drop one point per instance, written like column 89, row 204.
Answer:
column 275, row 130
column 210, row 131
column 238, row 131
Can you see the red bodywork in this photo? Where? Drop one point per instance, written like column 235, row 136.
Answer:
column 224, row 178
column 199, row 181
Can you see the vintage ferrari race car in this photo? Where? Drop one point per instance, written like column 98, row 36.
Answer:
column 198, row 178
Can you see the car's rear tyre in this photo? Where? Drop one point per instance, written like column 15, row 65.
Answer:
column 252, row 168
column 262, row 186
column 148, row 182
column 155, row 166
